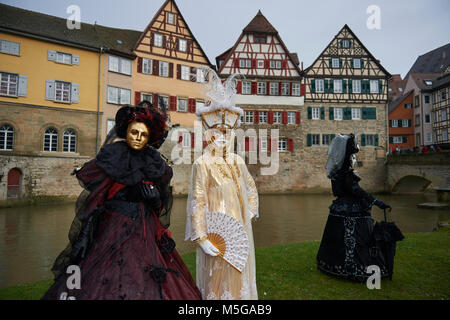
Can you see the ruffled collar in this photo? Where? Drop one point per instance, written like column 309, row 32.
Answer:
column 127, row 166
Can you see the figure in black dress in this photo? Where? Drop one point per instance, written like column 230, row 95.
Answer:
column 119, row 237
column 347, row 246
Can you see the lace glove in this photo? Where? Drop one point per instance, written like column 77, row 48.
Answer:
column 208, row 248
column 382, row 205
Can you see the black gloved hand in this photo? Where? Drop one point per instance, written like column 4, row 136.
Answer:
column 81, row 246
column 382, row 205
column 144, row 192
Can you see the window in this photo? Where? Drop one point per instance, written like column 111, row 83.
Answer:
column 277, row 117
column 356, row 113
column 163, row 102
column 357, row 63
column 9, row 84
column 444, row 135
column 10, row 47
column 182, row 45
column 285, row 89
column 427, row 118
column 370, row 140
column 147, row 97
column 275, row 64
column 338, row 113
column 62, row 91
column 405, row 123
column 345, row 43
column 416, row 101
column 356, row 86
column 120, row 65
column 186, row 142
column 335, row 63
column 246, row 87
column 373, row 86
column 408, row 105
column 337, row 86
column 62, row 57
column 428, row 137
column 170, row 18
column 69, row 141
column 397, row 139
column 417, row 120
column 147, row 65
column 296, row 89
column 291, row 117
column 443, row 115
column 263, row 144
column 315, row 139
column 51, row 140
column 158, row 40
column 200, row 76
column 282, row 144
column 443, row 95
column 109, row 125
column 320, row 85
column 164, row 69
column 274, row 89
column 182, row 105
column 428, row 82
column 261, row 64
column 259, row 39
column 249, row 116
column 119, row 95
column 426, row 99
column 185, row 73
column 263, row 117
column 315, row 113
column 326, row 139
column 394, row 123
column 262, row 87
column 245, row 63
column 6, row 138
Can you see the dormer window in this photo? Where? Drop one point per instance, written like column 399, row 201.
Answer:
column 170, row 18
column 346, row 43
column 428, row 82
column 259, row 39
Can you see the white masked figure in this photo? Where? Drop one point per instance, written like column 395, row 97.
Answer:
column 221, row 185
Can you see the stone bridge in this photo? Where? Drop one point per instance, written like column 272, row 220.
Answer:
column 409, row 173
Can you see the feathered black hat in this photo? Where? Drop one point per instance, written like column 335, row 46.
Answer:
column 154, row 118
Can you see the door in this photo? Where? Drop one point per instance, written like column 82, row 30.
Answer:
column 14, row 181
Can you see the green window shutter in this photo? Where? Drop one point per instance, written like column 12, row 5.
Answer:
column 370, row 114
column 376, row 140
column 347, row 113
column 309, row 113
column 313, row 85
column 322, row 113
column 340, row 63
column 404, row 139
column 390, row 123
column 409, row 123
column 331, row 113
column 350, row 86
column 374, row 113
column 362, row 63
column 366, row 86
column 341, row 43
column 380, row 86
column 364, row 113
column 391, row 139
column 330, row 61
column 351, row 63
column 325, row 85
column 331, row 86
column 309, row 140
column 363, row 140
column 344, row 86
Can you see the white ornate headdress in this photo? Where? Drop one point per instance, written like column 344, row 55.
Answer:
column 220, row 110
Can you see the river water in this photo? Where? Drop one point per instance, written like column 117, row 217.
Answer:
column 32, row 237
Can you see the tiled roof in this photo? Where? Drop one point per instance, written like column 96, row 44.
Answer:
column 419, row 79
column 398, row 101
column 434, row 61
column 53, row 28
column 440, row 82
column 260, row 24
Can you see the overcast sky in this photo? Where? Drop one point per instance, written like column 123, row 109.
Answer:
column 409, row 28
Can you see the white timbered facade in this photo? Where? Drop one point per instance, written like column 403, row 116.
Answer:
column 271, row 90
column 346, row 91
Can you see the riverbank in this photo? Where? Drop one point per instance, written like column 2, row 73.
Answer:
column 289, row 272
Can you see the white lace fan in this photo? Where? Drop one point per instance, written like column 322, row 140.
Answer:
column 228, row 235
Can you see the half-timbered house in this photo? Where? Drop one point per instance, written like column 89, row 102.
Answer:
column 346, row 91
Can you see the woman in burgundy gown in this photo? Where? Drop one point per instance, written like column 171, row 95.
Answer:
column 119, row 238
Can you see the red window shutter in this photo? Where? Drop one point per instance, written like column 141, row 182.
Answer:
column 170, row 70
column 269, row 144
column 180, row 139
column 192, row 140
column 253, row 63
column 280, row 85
column 173, row 103
column 155, row 70
column 239, row 87
column 152, row 39
column 291, row 144
column 189, row 46
column 284, row 117
column 302, row 89
column 256, row 117
column 178, row 71
column 283, row 64
column 254, row 87
column 236, row 62
column 139, row 65
column 155, row 100
column 194, row 105
column 247, row 143
column 290, row 88
column 297, row 117
column 204, row 144
column 270, row 117
column 164, row 41
column 137, row 98
column 268, row 88
column 191, row 105
column 266, row 64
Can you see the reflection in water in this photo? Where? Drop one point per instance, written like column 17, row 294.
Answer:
column 32, row 237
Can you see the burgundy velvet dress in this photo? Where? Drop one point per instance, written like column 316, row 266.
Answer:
column 130, row 255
